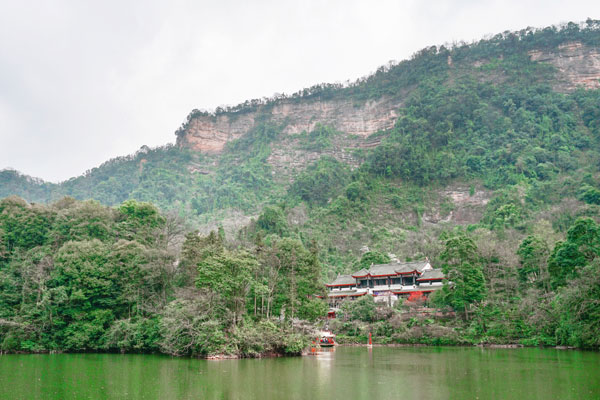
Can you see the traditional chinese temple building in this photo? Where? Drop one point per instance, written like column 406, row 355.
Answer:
column 387, row 283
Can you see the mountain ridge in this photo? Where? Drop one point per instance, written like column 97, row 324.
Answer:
column 577, row 65
column 576, row 62
column 243, row 156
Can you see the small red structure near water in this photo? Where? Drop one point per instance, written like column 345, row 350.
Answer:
column 326, row 339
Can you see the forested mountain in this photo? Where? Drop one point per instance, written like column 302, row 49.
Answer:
column 431, row 139
column 488, row 149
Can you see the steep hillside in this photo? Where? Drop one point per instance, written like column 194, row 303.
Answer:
column 452, row 137
column 578, row 65
column 210, row 133
column 575, row 66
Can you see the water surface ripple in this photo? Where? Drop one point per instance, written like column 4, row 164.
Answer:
column 345, row 373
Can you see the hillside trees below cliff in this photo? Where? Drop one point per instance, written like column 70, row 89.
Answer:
column 321, row 181
column 502, row 134
column 243, row 178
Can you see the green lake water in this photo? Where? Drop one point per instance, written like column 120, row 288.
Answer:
column 345, row 373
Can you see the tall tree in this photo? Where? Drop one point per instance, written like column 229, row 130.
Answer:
column 462, row 266
column 230, row 274
column 533, row 255
column 580, row 248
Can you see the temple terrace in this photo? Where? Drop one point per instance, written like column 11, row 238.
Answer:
column 387, row 283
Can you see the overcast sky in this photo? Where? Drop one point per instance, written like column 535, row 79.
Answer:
column 85, row 81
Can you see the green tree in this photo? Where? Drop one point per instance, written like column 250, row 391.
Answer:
column 230, row 274
column 82, row 272
column 590, row 195
column 579, row 310
column 272, row 220
column 78, row 221
column 194, row 325
column 533, row 255
column 140, row 275
column 465, row 280
column 580, row 248
column 291, row 275
column 23, row 225
column 196, row 249
column 362, row 309
column 320, row 181
column 140, row 221
column 373, row 257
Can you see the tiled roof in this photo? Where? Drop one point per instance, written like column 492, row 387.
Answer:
column 431, row 274
column 393, row 269
column 418, row 266
column 343, row 280
column 383, row 269
column 362, row 272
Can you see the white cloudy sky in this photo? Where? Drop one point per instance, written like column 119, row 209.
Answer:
column 84, row 81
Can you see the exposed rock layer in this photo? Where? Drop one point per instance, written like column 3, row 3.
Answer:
column 209, row 134
column 577, row 65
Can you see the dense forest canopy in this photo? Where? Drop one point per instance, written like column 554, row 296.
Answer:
column 81, row 276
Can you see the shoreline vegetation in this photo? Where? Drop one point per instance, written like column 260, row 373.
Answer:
column 308, row 351
column 82, row 277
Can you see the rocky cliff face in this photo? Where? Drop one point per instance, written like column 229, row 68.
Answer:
column 209, row 134
column 577, row 65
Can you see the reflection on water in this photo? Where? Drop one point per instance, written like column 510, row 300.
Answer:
column 325, row 358
column 336, row 373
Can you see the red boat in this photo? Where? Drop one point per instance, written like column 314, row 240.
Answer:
column 326, row 339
